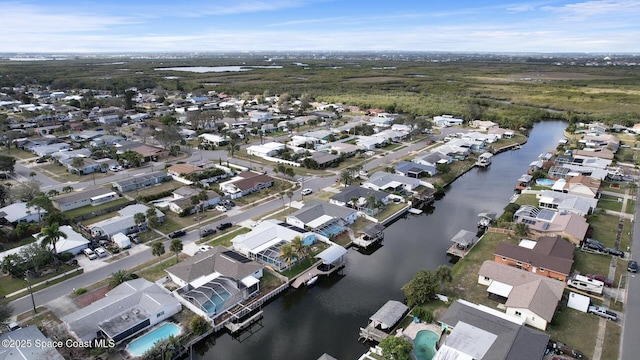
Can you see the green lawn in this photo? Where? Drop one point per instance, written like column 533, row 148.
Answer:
column 611, row 344
column 24, row 241
column 225, row 240
column 527, row 199
column 574, row 328
column 18, row 153
column 631, row 206
column 90, row 208
column 168, row 185
column 11, row 284
column 157, row 272
column 588, row 263
column 605, row 228
column 391, row 209
column 609, row 202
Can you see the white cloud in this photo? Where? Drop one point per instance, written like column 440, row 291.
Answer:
column 582, row 10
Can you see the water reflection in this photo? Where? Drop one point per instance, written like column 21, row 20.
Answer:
column 304, row 323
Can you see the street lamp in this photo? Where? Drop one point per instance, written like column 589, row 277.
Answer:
column 33, row 301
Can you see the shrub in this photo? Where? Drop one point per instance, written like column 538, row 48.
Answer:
column 419, row 312
column 198, row 325
column 428, row 317
column 80, row 291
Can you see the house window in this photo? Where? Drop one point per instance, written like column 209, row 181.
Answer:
column 160, row 314
column 518, row 313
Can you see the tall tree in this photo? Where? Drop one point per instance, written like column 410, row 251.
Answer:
column 7, row 163
column 396, row 348
column 346, row 176
column 176, row 246
column 168, row 136
column 287, row 253
column 299, row 248
column 157, row 248
column 139, row 219
column 67, row 189
column 50, row 236
column 6, row 310
column 421, row 288
column 443, row 274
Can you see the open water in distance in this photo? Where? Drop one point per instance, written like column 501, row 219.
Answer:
column 307, row 322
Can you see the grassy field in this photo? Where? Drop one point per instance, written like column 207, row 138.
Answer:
column 609, row 202
column 168, row 185
column 17, row 153
column 225, row 240
column 157, row 272
column 605, row 228
column 527, row 199
column 90, row 209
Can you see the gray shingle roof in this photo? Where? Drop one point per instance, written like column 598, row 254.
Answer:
column 315, row 209
column 214, row 260
column 86, row 193
column 355, row 191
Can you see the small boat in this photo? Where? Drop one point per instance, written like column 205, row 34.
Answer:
column 484, row 160
column 312, row 280
column 415, row 211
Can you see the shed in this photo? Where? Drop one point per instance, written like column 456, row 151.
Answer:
column 578, row 302
column 389, row 314
column 121, row 240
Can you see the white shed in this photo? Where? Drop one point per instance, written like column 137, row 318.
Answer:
column 121, row 240
column 578, row 302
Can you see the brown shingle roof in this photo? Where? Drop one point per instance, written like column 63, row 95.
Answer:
column 551, row 256
column 183, row 168
column 249, row 183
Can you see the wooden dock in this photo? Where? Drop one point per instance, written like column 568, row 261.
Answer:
column 370, row 333
column 304, row 277
column 235, row 327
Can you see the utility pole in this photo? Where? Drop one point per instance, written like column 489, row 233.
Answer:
column 33, row 301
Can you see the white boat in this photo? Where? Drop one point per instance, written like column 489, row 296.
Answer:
column 312, row 280
column 484, row 160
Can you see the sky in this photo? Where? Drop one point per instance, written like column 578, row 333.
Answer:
column 596, row 26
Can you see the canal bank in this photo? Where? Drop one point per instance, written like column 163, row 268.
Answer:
column 305, row 323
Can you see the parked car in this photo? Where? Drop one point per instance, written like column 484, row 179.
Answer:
column 306, row 192
column 607, row 282
column 177, row 234
column 615, row 252
column 13, row 326
column 207, row 231
column 593, row 242
column 228, row 203
column 221, row 208
column 224, row 226
column 632, row 266
column 603, row 312
column 593, row 247
column 101, row 252
column 90, row 254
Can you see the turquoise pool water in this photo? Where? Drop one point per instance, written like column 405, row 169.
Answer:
column 140, row 345
column 424, row 345
column 545, row 182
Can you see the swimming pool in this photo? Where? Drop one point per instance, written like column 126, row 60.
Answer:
column 142, row 344
column 424, row 345
column 545, row 182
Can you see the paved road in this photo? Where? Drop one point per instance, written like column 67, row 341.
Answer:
column 630, row 347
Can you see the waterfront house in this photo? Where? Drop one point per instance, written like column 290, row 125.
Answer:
column 323, row 218
column 414, row 169
column 433, row 159
column 559, row 201
column 484, row 125
column 501, row 133
column 264, row 241
column 215, row 280
column 128, row 309
column 141, row 181
column 479, row 332
column 550, row 256
column 384, row 181
column 547, row 222
column 601, row 153
column 19, row 212
column 91, row 195
column 534, row 298
column 368, row 201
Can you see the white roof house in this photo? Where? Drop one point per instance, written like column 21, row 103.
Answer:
column 386, row 181
column 264, row 150
column 18, row 212
column 265, row 234
column 212, row 138
column 125, row 223
column 73, row 244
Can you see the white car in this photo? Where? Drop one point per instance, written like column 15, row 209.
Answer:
column 306, row 191
column 221, row 208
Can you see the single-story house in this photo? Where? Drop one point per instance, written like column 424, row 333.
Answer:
column 264, row 241
column 128, row 309
column 548, row 222
column 213, row 139
column 183, row 169
column 385, row 181
column 105, row 140
column 324, row 160
column 362, row 199
column 265, row 150
column 150, row 153
column 324, row 218
column 74, row 243
column 91, row 195
column 370, row 142
column 19, row 212
column 245, row 183
column 414, row 170
column 141, row 181
column 123, row 223
column 20, row 345
column 581, row 186
column 215, row 280
column 49, row 149
column 433, row 159
column 447, row 120
column 479, row 332
column 534, row 298
column 484, row 125
column 550, row 256
column 502, row 133
column 88, row 166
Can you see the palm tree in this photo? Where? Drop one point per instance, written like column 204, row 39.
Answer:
column 346, row 176
column 119, row 277
column 157, row 248
column 443, row 274
column 50, row 236
column 176, row 247
column 298, row 247
column 522, row 229
column 370, row 201
column 67, row 189
column 139, row 218
column 287, row 254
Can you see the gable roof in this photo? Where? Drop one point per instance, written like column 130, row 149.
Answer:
column 513, row 341
column 20, row 338
column 253, row 181
column 86, row 193
column 355, row 191
column 316, row 209
column 18, row 211
column 183, row 169
column 539, row 294
column 219, row 259
column 550, row 252
column 408, row 166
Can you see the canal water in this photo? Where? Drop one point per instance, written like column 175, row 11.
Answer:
column 307, row 322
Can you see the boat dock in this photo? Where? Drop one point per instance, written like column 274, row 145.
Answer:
column 385, row 318
column 463, row 242
column 235, row 327
column 303, row 278
column 370, row 235
column 370, row 333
